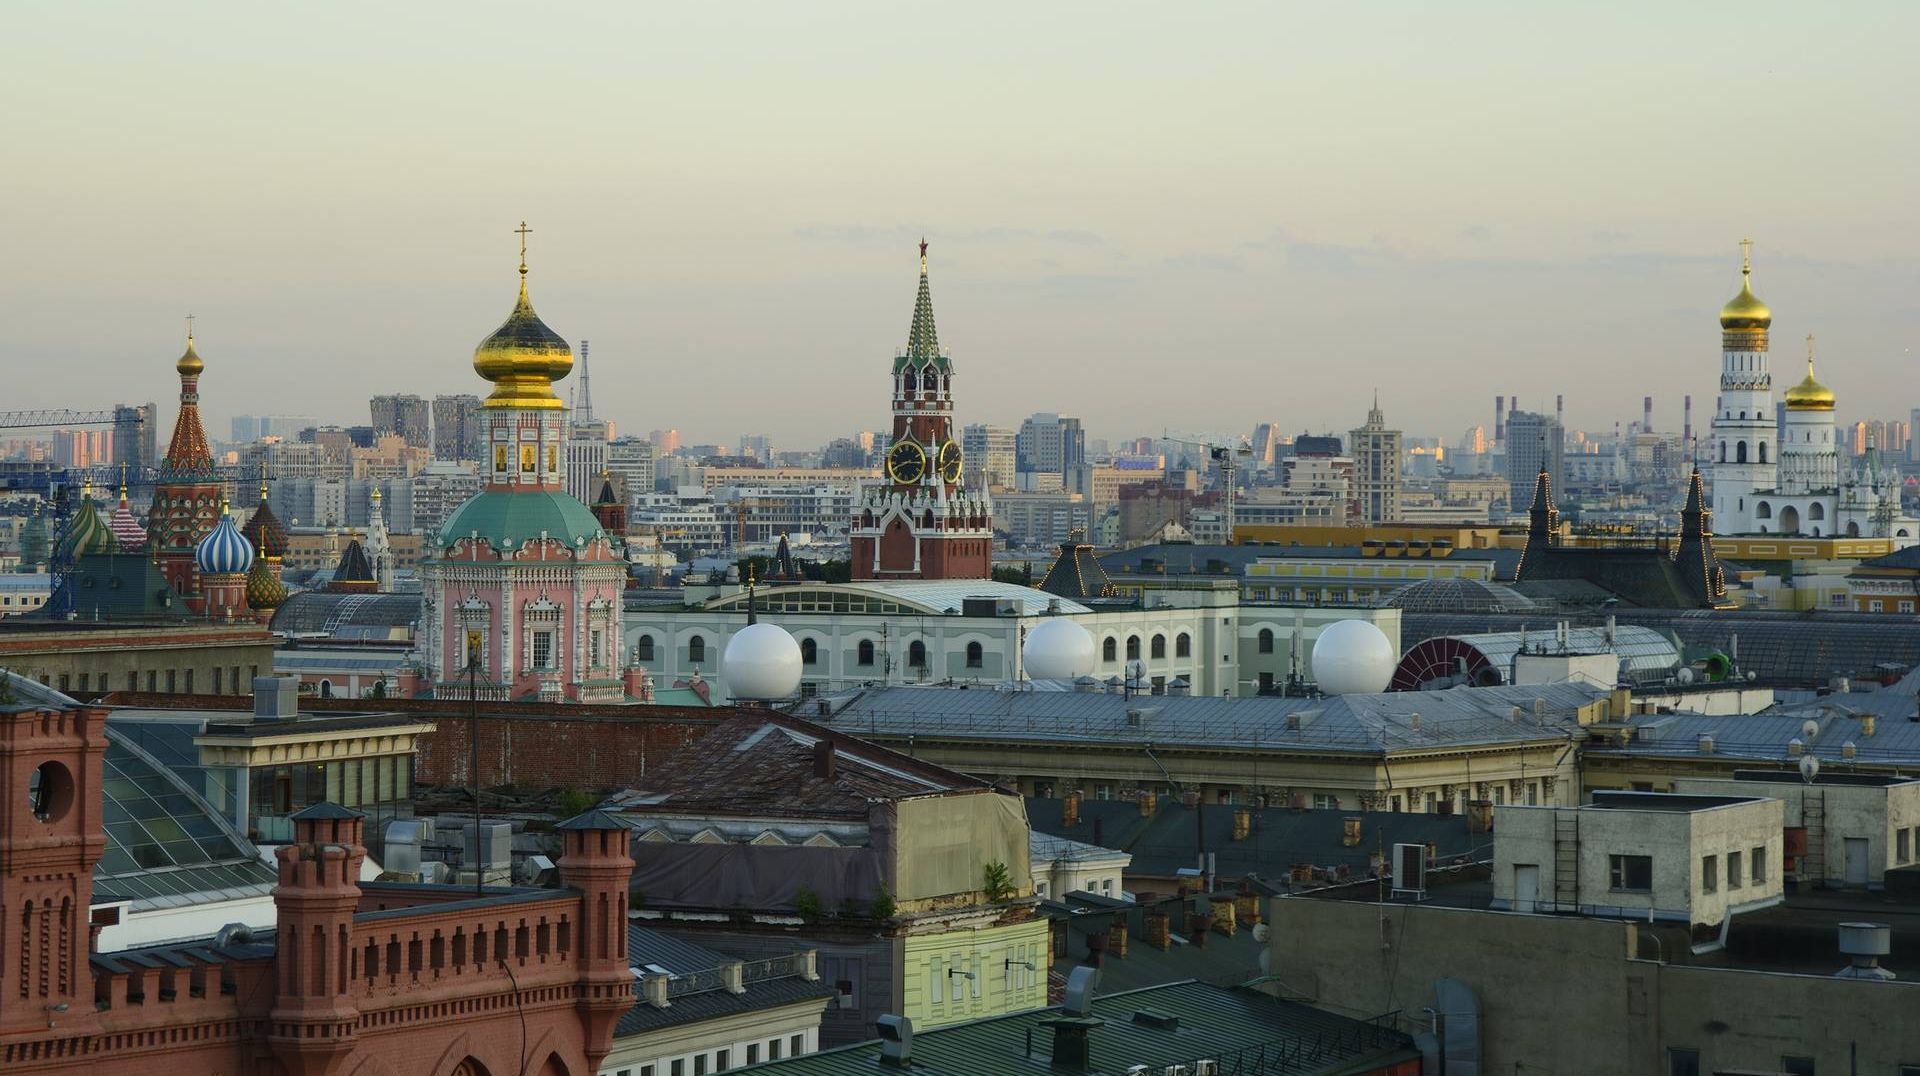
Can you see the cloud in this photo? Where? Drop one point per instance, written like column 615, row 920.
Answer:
column 1478, row 233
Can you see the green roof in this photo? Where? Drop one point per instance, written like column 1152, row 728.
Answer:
column 1238, row 1028
column 508, row 519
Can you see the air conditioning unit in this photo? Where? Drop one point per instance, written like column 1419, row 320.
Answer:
column 1410, row 870
column 1206, row 1068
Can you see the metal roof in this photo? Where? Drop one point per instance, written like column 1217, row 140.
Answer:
column 1234, row 1027
column 1047, row 847
column 312, row 611
column 167, row 846
column 1764, row 736
column 935, row 596
column 1645, row 654
column 1358, row 724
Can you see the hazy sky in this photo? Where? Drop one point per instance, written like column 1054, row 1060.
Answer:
column 1152, row 215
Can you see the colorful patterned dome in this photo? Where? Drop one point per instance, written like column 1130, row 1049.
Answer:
column 87, row 531
column 224, row 551
column 131, row 532
column 264, row 530
column 264, row 589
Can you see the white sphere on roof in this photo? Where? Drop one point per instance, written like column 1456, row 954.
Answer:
column 1353, row 657
column 1058, row 648
column 761, row 662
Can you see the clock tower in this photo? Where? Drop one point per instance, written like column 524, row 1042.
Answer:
column 919, row 523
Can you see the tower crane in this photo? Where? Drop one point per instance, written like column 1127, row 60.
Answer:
column 1224, row 456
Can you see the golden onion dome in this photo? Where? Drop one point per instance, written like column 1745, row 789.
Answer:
column 189, row 362
column 523, row 357
column 1745, row 311
column 1809, row 394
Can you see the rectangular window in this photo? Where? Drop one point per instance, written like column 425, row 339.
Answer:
column 1900, row 846
column 1682, row 1061
column 1433, row 802
column 1733, row 870
column 753, row 1053
column 1758, row 860
column 218, row 687
column 1876, row 606
column 151, row 678
column 722, row 1060
column 594, row 647
column 699, row 1065
column 133, row 681
column 936, row 981
column 773, row 1049
column 189, row 681
column 543, row 650
column 679, row 1066
column 1709, row 874
column 799, row 1044
column 1499, row 795
column 172, row 681
column 236, row 681
column 1323, row 802
column 1632, row 873
column 1906, row 605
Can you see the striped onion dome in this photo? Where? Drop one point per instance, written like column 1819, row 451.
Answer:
column 87, row 532
column 131, row 532
column 224, row 551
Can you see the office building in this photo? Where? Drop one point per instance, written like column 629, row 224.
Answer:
column 992, row 456
column 1535, row 442
column 456, row 427
column 1376, row 468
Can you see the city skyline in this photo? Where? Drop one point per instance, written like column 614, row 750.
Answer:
column 755, row 227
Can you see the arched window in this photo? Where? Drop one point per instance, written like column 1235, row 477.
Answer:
column 1740, row 452
column 1159, row 647
column 326, row 689
column 1108, row 648
column 1763, row 510
column 1133, row 648
column 864, row 653
column 643, row 651
column 913, row 384
column 1183, row 645
column 697, row 649
column 1723, row 453
column 1816, row 510
column 976, row 655
column 1266, row 640
column 916, row 655
column 1763, row 452
column 1853, row 530
column 809, row 651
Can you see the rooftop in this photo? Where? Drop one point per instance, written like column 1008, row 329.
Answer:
column 696, row 989
column 764, row 764
column 1175, row 1024
column 933, row 597
column 1355, row 724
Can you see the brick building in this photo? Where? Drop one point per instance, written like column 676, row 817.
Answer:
column 368, row 979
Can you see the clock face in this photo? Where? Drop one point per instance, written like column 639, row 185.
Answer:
column 950, row 461
column 906, row 462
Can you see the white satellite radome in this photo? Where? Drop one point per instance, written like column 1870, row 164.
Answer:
column 1809, row 768
column 1058, row 649
column 761, row 662
column 1353, row 657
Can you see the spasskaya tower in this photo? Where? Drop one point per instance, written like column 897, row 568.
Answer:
column 920, row 523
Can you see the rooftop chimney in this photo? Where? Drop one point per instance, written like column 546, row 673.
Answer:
column 896, row 1040
column 823, row 759
column 1864, row 944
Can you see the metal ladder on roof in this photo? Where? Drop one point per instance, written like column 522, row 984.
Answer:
column 1813, row 816
column 1566, row 861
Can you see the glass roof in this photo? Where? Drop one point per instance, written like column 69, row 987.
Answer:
column 163, row 839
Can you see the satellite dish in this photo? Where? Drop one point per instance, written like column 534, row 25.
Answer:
column 1136, row 670
column 1809, row 768
column 1261, row 932
column 1809, row 728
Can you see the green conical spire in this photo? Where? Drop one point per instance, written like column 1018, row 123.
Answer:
column 923, row 339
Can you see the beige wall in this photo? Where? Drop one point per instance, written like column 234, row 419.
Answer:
column 102, row 660
column 1560, row 995
column 1873, row 813
column 943, row 844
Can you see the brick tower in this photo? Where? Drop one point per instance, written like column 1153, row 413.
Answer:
column 311, row 1028
column 594, row 860
column 50, row 837
column 187, row 497
column 920, row 523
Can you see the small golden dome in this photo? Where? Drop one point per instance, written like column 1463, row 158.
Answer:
column 523, row 358
column 1809, row 395
column 189, row 360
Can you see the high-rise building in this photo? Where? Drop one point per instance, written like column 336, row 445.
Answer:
column 245, row 428
column 630, row 462
column 992, row 456
column 1376, row 467
column 1534, row 442
column 586, row 459
column 665, row 442
column 1050, row 444
column 922, row 523
column 456, row 427
column 757, row 445
column 408, row 416
column 136, row 437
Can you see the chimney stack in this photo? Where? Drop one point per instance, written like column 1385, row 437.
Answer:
column 823, row 761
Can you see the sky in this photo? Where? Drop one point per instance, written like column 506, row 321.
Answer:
column 1153, row 216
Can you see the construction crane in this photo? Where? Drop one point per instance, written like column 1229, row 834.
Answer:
column 54, row 416
column 1224, row 456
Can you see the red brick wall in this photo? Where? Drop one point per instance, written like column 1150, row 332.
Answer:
column 593, row 754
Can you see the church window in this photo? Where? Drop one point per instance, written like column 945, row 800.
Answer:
column 809, row 651
column 976, row 655
column 863, row 655
column 596, row 640
column 543, row 650
column 1740, row 452
column 1159, row 647
column 913, row 383
column 1133, row 648
column 1763, row 510
column 1108, row 649
column 1723, row 452
column 697, row 648
column 917, row 654
column 1183, row 645
column 1266, row 640
column 1816, row 510
column 643, row 651
column 1763, row 452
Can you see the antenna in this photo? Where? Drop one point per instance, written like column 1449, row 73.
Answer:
column 583, row 391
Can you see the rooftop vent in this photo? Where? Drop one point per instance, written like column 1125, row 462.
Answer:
column 896, row 1040
column 1078, row 1000
column 276, row 698
column 1864, row 944
column 1165, row 1021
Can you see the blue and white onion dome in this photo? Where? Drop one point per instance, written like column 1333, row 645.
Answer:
column 762, row 662
column 224, row 551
